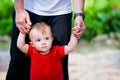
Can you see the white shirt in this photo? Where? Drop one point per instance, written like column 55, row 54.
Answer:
column 48, row 7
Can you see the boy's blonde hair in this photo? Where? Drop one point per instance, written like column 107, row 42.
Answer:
column 41, row 27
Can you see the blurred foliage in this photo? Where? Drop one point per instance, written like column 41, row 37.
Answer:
column 6, row 9
column 101, row 17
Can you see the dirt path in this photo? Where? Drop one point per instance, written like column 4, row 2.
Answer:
column 4, row 61
column 102, row 65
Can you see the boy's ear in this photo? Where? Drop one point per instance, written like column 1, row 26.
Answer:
column 32, row 44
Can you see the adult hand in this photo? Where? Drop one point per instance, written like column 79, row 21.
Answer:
column 79, row 27
column 23, row 22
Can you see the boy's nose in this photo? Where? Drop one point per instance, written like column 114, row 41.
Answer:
column 43, row 42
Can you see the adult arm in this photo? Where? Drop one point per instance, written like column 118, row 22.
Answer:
column 22, row 17
column 78, row 6
column 21, row 43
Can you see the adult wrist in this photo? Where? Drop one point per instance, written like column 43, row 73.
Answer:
column 79, row 14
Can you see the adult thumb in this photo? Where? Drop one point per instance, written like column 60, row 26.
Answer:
column 29, row 21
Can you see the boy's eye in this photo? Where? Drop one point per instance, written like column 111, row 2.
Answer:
column 46, row 38
column 38, row 39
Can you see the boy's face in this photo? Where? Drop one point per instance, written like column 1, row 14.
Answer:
column 42, row 42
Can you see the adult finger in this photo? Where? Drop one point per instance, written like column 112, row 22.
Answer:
column 78, row 35
column 28, row 20
column 20, row 27
column 82, row 29
column 25, row 28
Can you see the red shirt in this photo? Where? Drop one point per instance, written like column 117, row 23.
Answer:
column 47, row 66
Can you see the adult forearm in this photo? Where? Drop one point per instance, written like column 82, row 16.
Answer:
column 78, row 6
column 19, row 5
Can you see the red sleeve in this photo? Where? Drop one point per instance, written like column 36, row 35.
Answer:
column 30, row 50
column 60, row 51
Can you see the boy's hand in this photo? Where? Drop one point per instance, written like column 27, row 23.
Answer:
column 77, row 31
